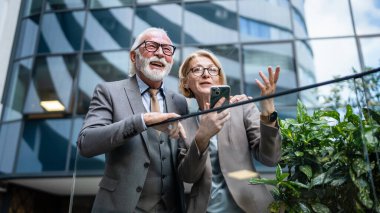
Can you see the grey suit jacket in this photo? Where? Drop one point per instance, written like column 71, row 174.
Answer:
column 113, row 126
column 242, row 137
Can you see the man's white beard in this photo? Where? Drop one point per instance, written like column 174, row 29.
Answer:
column 154, row 74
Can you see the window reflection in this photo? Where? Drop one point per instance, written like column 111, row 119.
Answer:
column 328, row 18
column 9, row 137
column 228, row 55
column 64, row 4
column 108, row 29
column 44, row 146
column 18, row 89
column 256, row 23
column 79, row 162
column 97, row 68
column 27, row 37
column 155, row 1
column 366, row 16
column 32, row 7
column 306, row 72
column 168, row 17
column 370, row 49
column 109, row 3
column 210, row 23
column 61, row 32
column 258, row 57
column 52, row 80
column 334, row 57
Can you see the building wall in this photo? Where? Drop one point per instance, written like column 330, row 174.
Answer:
column 9, row 10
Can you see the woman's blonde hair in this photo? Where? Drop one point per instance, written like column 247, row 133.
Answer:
column 184, row 70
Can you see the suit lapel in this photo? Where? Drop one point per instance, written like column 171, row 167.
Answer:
column 134, row 97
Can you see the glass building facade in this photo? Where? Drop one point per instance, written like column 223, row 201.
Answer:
column 64, row 48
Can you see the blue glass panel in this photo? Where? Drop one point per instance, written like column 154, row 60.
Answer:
column 26, row 44
column 256, row 23
column 109, row 3
column 82, row 163
column 366, row 16
column 258, row 57
column 61, row 32
column 64, row 4
column 166, row 16
column 32, row 7
column 52, row 80
column 370, row 49
column 97, row 68
column 18, row 88
column 108, row 29
column 210, row 22
column 9, row 137
column 44, row 146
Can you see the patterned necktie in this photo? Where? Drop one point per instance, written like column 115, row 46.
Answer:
column 154, row 105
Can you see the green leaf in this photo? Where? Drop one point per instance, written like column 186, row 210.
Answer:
column 320, row 208
column 298, row 153
column 254, row 181
column 278, row 172
column 306, row 169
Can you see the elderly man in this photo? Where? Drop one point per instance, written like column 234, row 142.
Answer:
column 139, row 172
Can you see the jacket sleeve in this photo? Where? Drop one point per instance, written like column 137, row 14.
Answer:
column 99, row 134
column 192, row 163
column 265, row 141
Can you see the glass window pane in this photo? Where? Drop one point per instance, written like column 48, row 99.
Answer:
column 258, row 57
column 9, row 137
column 366, row 16
column 256, row 23
column 108, row 29
column 299, row 22
column 109, row 3
column 32, row 7
column 61, row 32
column 97, row 68
column 306, row 72
column 210, row 22
column 44, row 146
column 52, row 80
column 18, row 89
column 82, row 163
column 166, row 16
column 228, row 56
column 26, row 44
column 64, row 4
column 327, row 18
column 334, row 57
column 370, row 49
column 155, row 1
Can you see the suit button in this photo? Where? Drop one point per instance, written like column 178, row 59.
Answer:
column 163, row 158
column 161, row 141
column 138, row 189
column 163, row 176
column 146, row 165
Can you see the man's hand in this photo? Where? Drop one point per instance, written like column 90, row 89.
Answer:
column 173, row 129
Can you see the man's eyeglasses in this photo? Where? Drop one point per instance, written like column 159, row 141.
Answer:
column 199, row 71
column 152, row 46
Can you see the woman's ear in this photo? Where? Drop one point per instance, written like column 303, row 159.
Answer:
column 186, row 86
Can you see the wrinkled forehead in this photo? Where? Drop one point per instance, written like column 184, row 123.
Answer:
column 157, row 36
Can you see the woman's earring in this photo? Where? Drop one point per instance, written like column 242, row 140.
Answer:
column 186, row 86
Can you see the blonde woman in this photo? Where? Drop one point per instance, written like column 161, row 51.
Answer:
column 220, row 143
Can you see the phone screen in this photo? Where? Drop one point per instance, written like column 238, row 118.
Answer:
column 217, row 92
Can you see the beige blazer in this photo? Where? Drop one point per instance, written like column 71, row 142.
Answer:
column 242, row 137
column 113, row 126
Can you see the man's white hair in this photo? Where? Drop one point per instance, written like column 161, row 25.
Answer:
column 138, row 40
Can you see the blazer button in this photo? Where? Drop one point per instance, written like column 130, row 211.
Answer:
column 138, row 189
column 161, row 141
column 146, row 165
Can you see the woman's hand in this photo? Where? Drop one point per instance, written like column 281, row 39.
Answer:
column 210, row 124
column 237, row 98
column 268, row 87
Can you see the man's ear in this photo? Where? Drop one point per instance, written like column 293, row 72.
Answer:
column 132, row 55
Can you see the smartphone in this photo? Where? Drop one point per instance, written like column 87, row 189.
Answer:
column 218, row 92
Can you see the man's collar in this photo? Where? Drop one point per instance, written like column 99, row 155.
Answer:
column 143, row 87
